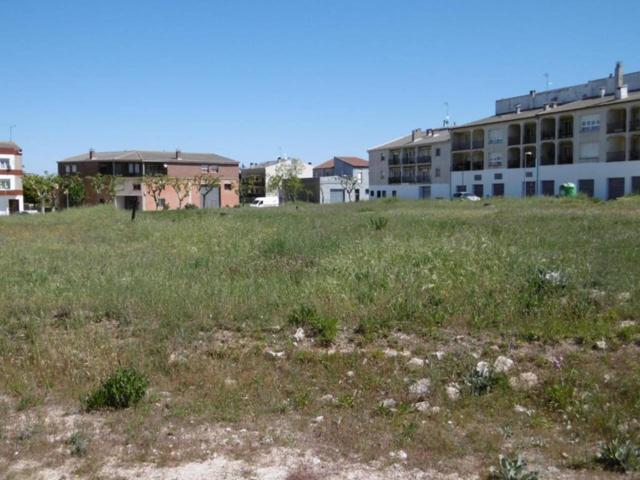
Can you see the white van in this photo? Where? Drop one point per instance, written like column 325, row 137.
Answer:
column 264, row 202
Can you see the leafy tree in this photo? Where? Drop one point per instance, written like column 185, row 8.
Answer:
column 286, row 180
column 206, row 183
column 182, row 186
column 349, row 183
column 73, row 188
column 39, row 188
column 104, row 186
column 246, row 188
column 155, row 185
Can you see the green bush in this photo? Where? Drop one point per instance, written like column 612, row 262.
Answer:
column 126, row 387
column 512, row 469
column 619, row 455
column 324, row 329
column 378, row 223
column 190, row 206
column 479, row 383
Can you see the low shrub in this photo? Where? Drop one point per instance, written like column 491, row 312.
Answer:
column 619, row 455
column 378, row 223
column 512, row 469
column 78, row 444
column 324, row 329
column 479, row 382
column 124, row 388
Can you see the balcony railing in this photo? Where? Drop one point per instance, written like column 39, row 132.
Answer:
column 495, row 141
column 408, row 179
column 478, row 144
column 394, row 161
column 407, row 160
column 590, row 129
column 616, row 156
column 635, row 125
column 461, row 145
column 514, row 140
column 548, row 135
column 547, row 160
column 495, row 164
column 395, row 179
column 615, row 127
column 565, row 133
column 423, row 178
column 634, row 155
column 424, row 159
column 588, row 159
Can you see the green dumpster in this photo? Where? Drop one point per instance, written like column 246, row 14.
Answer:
column 568, row 190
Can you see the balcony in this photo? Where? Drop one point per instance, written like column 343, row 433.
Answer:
column 565, row 133
column 461, row 145
column 514, row 141
column 424, row 159
column 635, row 125
column 408, row 160
column 423, row 178
column 394, row 161
column 548, row 135
column 615, row 127
column 478, row 144
column 408, row 179
column 634, row 155
column 616, row 156
column 395, row 179
column 590, row 129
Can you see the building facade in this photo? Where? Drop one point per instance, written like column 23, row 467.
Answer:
column 131, row 166
column 586, row 134
column 11, row 173
column 329, row 181
column 254, row 180
column 411, row 167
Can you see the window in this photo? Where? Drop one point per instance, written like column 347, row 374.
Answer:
column 393, row 194
column 204, row 168
column 590, row 152
column 437, row 172
column 461, row 188
column 5, row 164
column 382, row 157
column 136, row 186
column 528, row 174
column 586, row 186
column 378, row 194
column 71, row 168
column 384, row 194
column 497, row 176
column 496, row 136
column 162, row 203
column 227, row 186
column 590, row 123
column 635, row 185
column 477, row 177
column 548, row 188
column 437, row 152
column 366, row 191
column 133, row 168
column 5, row 184
column 498, row 189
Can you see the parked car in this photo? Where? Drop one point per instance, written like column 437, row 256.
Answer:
column 466, row 196
column 265, row 202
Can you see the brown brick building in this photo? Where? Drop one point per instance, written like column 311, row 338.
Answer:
column 132, row 165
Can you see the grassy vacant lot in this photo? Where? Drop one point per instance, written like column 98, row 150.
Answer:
column 195, row 298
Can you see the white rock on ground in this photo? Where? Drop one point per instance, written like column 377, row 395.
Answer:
column 627, row 324
column 390, row 353
column 601, row 345
column 502, row 364
column 416, row 363
column 273, row 354
column 399, row 455
column 388, row 403
column 439, row 355
column 525, row 381
column 422, row 407
column 328, row 398
column 299, row 335
column 483, row 368
column 453, row 391
column 624, row 297
column 420, row 388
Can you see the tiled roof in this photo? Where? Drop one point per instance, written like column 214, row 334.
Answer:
column 10, row 145
column 539, row 112
column 151, row 156
column 356, row 162
column 439, row 135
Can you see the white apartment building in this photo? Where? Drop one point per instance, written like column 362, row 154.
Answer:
column 411, row 167
column 255, row 178
column 11, row 200
column 585, row 134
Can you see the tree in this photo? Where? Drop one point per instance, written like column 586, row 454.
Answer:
column 104, row 186
column 246, row 188
column 155, row 185
column 286, row 180
column 206, row 183
column 73, row 188
column 349, row 183
column 39, row 188
column 182, row 186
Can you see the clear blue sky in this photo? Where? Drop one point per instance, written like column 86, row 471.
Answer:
column 308, row 78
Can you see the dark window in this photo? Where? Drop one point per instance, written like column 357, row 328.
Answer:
column 378, row 194
column 586, row 187
column 528, row 174
column 497, row 176
column 437, row 152
column 437, row 172
column 461, row 188
column 477, row 178
column 498, row 189
column 384, row 194
column 635, row 185
column 478, row 190
column 227, row 186
column 393, row 193
column 616, row 188
column 366, row 191
column 529, row 188
column 548, row 188
column 136, row 186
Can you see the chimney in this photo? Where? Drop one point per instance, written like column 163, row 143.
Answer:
column 178, row 154
column 92, row 154
column 416, row 133
column 547, row 107
column 430, row 132
column 532, row 93
column 622, row 91
column 603, row 92
column 518, row 109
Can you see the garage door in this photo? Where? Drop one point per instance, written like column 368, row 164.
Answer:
column 336, row 196
column 616, row 188
column 212, row 199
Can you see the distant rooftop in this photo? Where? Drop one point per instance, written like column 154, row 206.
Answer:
column 353, row 161
column 10, row 146
column 417, row 138
column 151, row 157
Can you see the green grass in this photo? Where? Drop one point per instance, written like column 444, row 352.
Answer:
column 86, row 290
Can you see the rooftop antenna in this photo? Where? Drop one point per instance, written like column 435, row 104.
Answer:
column 548, row 82
column 445, row 123
column 11, row 127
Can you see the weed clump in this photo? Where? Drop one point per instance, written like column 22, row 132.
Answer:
column 378, row 223
column 512, row 469
column 124, row 388
column 324, row 329
column 78, row 444
column 619, row 455
column 481, row 380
